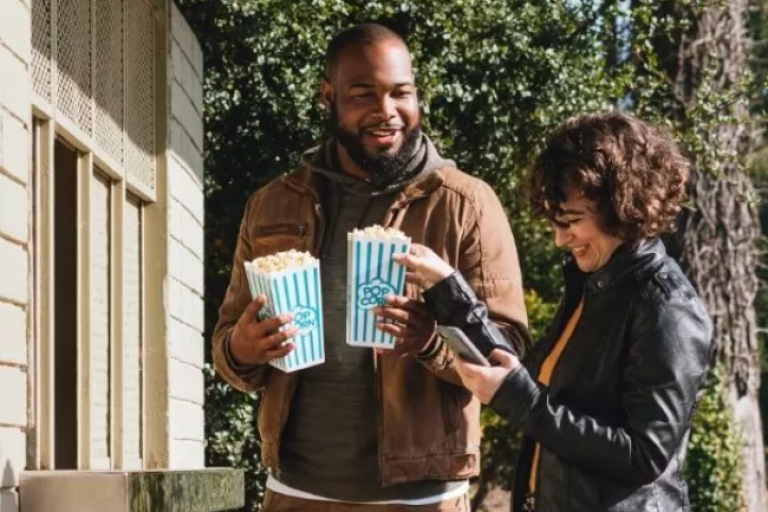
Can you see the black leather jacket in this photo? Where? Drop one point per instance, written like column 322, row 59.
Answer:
column 614, row 422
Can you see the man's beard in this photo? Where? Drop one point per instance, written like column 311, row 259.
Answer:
column 384, row 167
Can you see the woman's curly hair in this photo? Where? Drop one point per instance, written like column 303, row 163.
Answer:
column 634, row 171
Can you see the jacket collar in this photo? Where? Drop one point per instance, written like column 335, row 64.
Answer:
column 631, row 260
column 305, row 181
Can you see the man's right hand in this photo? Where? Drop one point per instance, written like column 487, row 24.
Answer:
column 259, row 342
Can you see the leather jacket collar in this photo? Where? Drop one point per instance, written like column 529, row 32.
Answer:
column 631, row 260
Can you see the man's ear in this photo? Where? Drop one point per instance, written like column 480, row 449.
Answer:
column 326, row 94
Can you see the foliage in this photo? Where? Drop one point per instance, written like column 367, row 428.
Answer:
column 480, row 71
column 713, row 452
column 231, row 434
column 493, row 81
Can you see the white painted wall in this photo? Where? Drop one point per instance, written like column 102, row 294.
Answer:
column 15, row 115
column 185, row 249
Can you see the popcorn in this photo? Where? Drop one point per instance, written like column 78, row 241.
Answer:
column 372, row 274
column 291, row 282
column 380, row 232
column 283, row 261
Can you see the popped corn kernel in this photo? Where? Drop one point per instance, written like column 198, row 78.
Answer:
column 286, row 260
column 379, row 232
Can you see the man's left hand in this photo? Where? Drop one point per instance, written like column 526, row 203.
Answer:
column 414, row 326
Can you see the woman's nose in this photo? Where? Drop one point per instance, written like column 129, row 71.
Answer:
column 561, row 236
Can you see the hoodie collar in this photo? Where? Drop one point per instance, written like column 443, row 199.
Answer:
column 306, row 181
column 425, row 160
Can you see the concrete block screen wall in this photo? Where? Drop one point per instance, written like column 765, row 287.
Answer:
column 101, row 239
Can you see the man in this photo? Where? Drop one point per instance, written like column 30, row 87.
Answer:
column 370, row 429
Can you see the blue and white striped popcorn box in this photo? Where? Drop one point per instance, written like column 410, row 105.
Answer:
column 372, row 275
column 297, row 292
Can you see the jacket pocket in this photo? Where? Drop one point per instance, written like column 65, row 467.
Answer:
column 272, row 238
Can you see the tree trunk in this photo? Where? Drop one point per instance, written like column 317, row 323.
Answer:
column 718, row 254
column 718, row 239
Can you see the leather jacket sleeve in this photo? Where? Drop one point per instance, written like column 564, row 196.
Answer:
column 453, row 302
column 668, row 355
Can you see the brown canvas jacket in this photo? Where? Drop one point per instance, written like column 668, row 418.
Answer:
column 429, row 424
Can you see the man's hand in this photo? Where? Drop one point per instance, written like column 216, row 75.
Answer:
column 414, row 326
column 485, row 381
column 259, row 342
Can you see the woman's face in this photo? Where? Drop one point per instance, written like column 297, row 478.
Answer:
column 577, row 229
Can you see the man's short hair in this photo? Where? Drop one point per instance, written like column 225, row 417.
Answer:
column 363, row 34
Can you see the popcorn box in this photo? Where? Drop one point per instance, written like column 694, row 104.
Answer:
column 372, row 274
column 291, row 283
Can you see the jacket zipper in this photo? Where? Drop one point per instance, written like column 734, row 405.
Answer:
column 394, row 213
column 320, row 234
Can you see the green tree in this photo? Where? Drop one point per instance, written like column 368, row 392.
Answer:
column 494, row 78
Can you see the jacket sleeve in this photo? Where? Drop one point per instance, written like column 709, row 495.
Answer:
column 488, row 261
column 244, row 378
column 453, row 302
column 667, row 360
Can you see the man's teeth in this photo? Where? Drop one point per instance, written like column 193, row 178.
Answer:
column 579, row 250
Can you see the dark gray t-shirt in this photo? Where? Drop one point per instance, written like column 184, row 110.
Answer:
column 330, row 442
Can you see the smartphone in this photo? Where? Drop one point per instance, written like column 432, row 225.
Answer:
column 461, row 345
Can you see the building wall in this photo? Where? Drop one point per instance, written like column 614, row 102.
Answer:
column 185, row 248
column 15, row 114
column 182, row 425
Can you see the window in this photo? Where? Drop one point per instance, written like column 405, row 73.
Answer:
column 89, row 310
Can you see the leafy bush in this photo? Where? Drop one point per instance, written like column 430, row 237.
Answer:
column 231, row 434
column 713, row 467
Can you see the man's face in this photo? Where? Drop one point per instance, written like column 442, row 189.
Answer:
column 374, row 106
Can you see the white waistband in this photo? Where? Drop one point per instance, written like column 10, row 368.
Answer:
column 280, row 488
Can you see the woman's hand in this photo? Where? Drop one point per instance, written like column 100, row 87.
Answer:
column 425, row 268
column 484, row 381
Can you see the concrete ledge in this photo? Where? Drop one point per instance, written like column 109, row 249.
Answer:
column 203, row 490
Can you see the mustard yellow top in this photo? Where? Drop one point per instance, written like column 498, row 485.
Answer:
column 545, row 375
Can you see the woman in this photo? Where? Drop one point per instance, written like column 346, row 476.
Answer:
column 605, row 400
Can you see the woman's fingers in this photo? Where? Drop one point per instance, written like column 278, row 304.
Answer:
column 409, row 261
column 504, row 359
